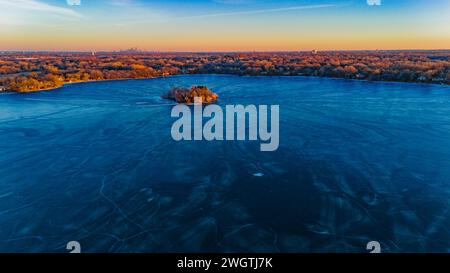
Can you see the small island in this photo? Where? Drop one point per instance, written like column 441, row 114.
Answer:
column 187, row 95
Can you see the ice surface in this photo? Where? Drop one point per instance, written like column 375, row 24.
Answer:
column 95, row 163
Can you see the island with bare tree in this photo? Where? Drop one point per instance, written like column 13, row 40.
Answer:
column 188, row 95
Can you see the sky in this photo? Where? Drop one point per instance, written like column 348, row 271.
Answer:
column 223, row 25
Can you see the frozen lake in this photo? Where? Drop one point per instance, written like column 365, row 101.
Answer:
column 95, row 163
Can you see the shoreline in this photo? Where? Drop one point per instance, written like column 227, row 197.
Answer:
column 224, row 74
column 71, row 83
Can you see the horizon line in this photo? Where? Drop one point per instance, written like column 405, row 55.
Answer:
column 212, row 51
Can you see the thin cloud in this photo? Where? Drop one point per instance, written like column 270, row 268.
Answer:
column 232, row 2
column 120, row 2
column 259, row 11
column 35, row 5
column 235, row 13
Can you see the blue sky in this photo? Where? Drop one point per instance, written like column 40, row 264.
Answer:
column 223, row 25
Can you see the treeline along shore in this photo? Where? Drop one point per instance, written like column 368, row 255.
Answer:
column 27, row 72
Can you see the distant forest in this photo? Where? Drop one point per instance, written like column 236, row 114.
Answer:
column 26, row 72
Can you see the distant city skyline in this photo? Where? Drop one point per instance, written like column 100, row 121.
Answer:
column 223, row 25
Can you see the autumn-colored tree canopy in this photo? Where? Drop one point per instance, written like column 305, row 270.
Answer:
column 26, row 72
column 188, row 95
